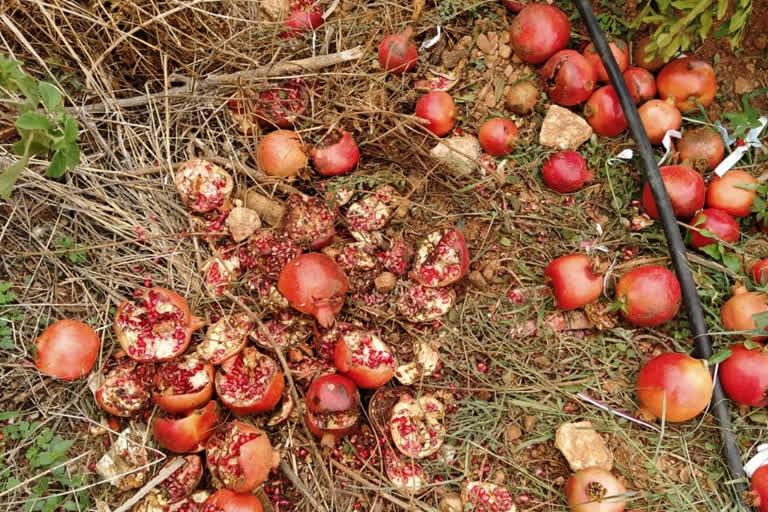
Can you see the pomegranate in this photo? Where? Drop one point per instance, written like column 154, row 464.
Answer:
column 333, row 408
column 734, row 193
column 305, row 16
column 658, row 118
column 365, row 359
column 156, row 328
column 744, row 375
column 441, row 258
column 359, row 263
column 538, row 32
column 324, row 341
column 283, row 412
column 269, row 252
column 308, row 221
column 240, row 457
column 188, row 433
column 603, row 112
column 738, row 313
column 758, row 496
column 314, row 284
column 712, row 221
column 249, row 382
column 338, row 154
column 126, row 388
column 565, row 172
column 183, row 384
column 419, row 304
column 221, row 272
column 642, row 57
column 381, row 403
column 620, row 54
column 498, row 136
column 649, row 295
column 487, row 497
column 202, row 185
column 514, row 5
column 225, row 500
column 180, row 484
column 307, row 368
column 286, row 329
column 397, row 258
column 67, row 349
column 404, row 474
column 373, row 211
column 687, row 81
column 281, row 153
column 594, row 490
column 573, row 281
column 685, row 188
column 438, row 108
column 282, row 106
column 701, row 148
column 758, row 271
column 522, row 97
column 225, row 338
column 397, row 53
column 640, row 83
column 415, row 426
column 570, row 78
column 675, row 386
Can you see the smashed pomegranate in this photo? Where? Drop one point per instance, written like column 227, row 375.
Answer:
column 188, row 433
column 396, row 259
column 269, row 252
column 359, row 263
column 488, row 497
column 126, row 388
column 308, row 221
column 183, row 384
column 221, row 272
column 282, row 106
column 265, row 293
column 416, row 426
column 202, row 185
column 287, row 329
column 180, row 484
column 324, row 342
column 373, row 211
column 405, row 475
column 419, row 304
column 441, row 258
column 333, row 408
column 365, row 358
column 249, row 382
column 225, row 338
column 240, row 457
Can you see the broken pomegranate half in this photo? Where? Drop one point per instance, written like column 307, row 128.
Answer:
column 373, row 211
column 126, row 388
column 240, row 457
column 333, row 408
column 187, row 433
column 183, row 384
column 308, row 221
column 225, row 338
column 405, row 475
column 221, row 272
column 180, row 484
column 364, row 358
column 381, row 403
column 397, row 259
column 419, row 304
column 202, row 185
column 225, row 500
column 269, row 252
column 287, row 328
column 416, row 426
column 441, row 258
column 157, row 327
column 283, row 105
column 249, row 382
column 324, row 341
column 358, row 261
column 488, row 497
column 314, row 284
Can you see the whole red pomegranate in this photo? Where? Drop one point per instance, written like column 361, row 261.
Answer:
column 498, row 136
column 333, row 408
column 397, row 53
column 305, row 16
column 441, row 258
column 737, row 314
column 759, row 486
column 716, row 222
column 570, row 78
column 674, row 386
column 565, row 172
column 620, row 53
column 702, row 148
column 573, row 281
column 249, row 382
column 649, row 295
column 439, row 109
column 734, row 193
column 658, row 118
column 183, row 384
column 603, row 112
column 281, row 153
column 225, row 500
column 685, row 188
column 642, row 57
column 687, row 81
column 758, row 271
column 314, row 284
column 67, row 349
column 538, row 32
column 640, row 83
column 365, row 359
column 187, row 433
column 157, row 327
column 337, row 154
column 744, row 375
column 240, row 457
column 594, row 490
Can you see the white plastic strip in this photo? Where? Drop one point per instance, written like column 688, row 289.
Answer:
column 752, row 140
column 623, row 157
column 429, row 43
column 758, row 459
column 667, row 143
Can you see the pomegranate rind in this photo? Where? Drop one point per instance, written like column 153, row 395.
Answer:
column 405, row 475
column 488, row 497
column 239, row 457
column 202, row 185
column 201, row 383
column 249, row 382
column 126, row 390
column 187, row 434
column 419, row 304
column 225, row 337
column 415, row 426
column 365, row 358
column 441, row 258
column 180, row 484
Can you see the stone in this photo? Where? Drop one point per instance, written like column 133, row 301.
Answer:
column 505, row 51
column 483, row 44
column 460, row 152
column 582, row 446
column 562, row 129
column 742, row 86
column 385, row 282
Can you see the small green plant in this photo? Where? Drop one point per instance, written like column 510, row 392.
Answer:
column 67, row 248
column 7, row 316
column 741, row 122
column 44, row 126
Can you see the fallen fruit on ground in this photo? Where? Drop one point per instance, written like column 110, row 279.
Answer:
column 239, row 457
column 180, row 484
column 522, row 97
column 498, row 136
column 640, row 83
column 224, row 500
column 712, row 221
column 336, row 154
column 594, row 490
column 416, row 425
column 675, row 387
column 308, row 221
column 281, row 153
column 314, row 284
column 67, row 350
column 658, row 118
column 397, row 53
column 538, row 32
column 439, row 109
column 441, row 258
column 487, row 497
column 737, row 314
column 570, row 78
column 759, row 489
column 203, row 185
column 365, row 359
column 758, row 271
column 687, row 81
column 734, row 193
column 648, row 295
column 574, row 282
column 249, row 382
column 603, row 112
column 565, row 172
column 620, row 53
column 126, row 389
column 183, row 384
column 225, row 338
column 701, row 148
column 333, row 408
column 685, row 188
column 641, row 56
column 744, row 375
column 187, row 433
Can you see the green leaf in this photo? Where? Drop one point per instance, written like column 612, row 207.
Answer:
column 7, row 415
column 722, row 6
column 8, row 178
column 33, row 121
column 28, row 88
column 738, row 20
column 752, row 345
column 732, row 261
column 761, row 320
column 706, row 24
column 50, row 95
column 72, row 154
column 70, row 129
column 719, row 356
column 712, row 250
column 58, row 165
column 4, row 287
column 721, row 31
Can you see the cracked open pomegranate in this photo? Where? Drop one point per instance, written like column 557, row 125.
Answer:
column 594, row 490
column 270, row 251
column 359, row 263
column 570, row 78
column 404, row 474
column 287, row 328
column 221, row 272
column 308, row 221
column 249, row 382
column 180, row 484
column 419, row 304
column 240, row 457
column 372, row 212
column 157, row 327
column 126, row 388
column 183, row 384
column 364, row 357
column 187, row 433
column 333, row 408
column 441, row 258
column 224, row 338
column 202, row 185
column 324, row 341
column 488, row 497
column 314, row 284
column 416, row 425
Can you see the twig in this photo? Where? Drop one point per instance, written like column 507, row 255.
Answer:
column 299, row 484
column 162, row 475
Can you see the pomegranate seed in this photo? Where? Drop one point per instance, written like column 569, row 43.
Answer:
column 482, row 367
column 303, row 452
column 523, row 498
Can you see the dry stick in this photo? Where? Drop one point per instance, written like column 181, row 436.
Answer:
column 162, row 475
column 272, row 70
column 286, row 370
column 298, row 483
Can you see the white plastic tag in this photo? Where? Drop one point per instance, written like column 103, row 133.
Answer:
column 752, row 140
column 623, row 156
column 429, row 43
column 758, row 459
column 667, row 143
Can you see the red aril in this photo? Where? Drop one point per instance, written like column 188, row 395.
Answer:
column 286, row 329
column 538, row 32
column 202, row 185
column 225, row 338
column 125, row 391
column 737, row 314
column 758, row 497
column 365, row 359
column 658, row 118
column 373, row 212
column 249, row 382
column 687, row 81
column 268, row 252
column 498, row 136
column 381, row 403
column 570, row 78
column 240, row 457
column 438, row 108
column 281, row 154
column 225, row 500
column 67, row 349
column 487, row 497
column 620, row 54
column 157, row 327
column 336, row 154
column 187, row 433
column 758, row 271
column 397, row 53
column 420, row 304
column 565, row 172
column 650, row 295
column 674, row 386
column 642, row 57
column 308, row 221
column 573, row 282
column 333, row 408
column 416, row 426
column 603, row 112
column 283, row 105
column 640, row 83
column 701, row 148
column 179, row 485
column 403, row 472
column 324, row 341
column 744, row 375
column 594, row 490
column 716, row 222
column 685, row 188
column 522, row 97
column 727, row 194
column 305, row 16
column 359, row 263
column 314, row 284
column 183, row 384
column 441, row 258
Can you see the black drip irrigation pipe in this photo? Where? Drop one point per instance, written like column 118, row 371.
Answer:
column 702, row 342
